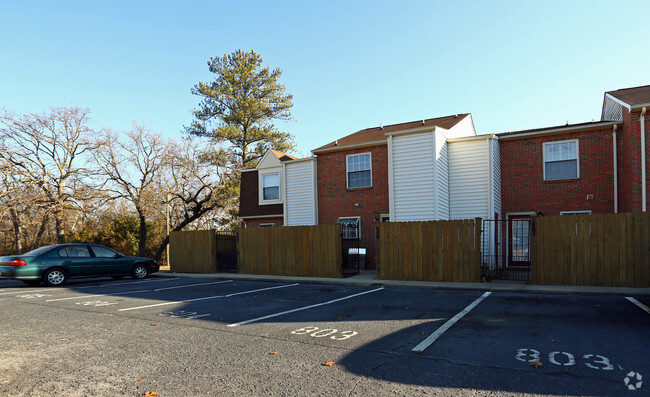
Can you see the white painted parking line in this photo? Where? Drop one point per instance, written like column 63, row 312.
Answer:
column 434, row 336
column 161, row 279
column 22, row 291
column 302, row 308
column 135, row 292
column 204, row 298
column 193, row 285
column 641, row 305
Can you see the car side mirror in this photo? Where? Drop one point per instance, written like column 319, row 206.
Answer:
column 116, row 256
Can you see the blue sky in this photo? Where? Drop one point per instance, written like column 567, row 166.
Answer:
column 349, row 64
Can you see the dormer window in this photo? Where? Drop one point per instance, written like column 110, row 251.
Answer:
column 270, row 187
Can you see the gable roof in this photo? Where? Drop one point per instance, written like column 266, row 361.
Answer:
column 283, row 156
column 377, row 135
column 634, row 97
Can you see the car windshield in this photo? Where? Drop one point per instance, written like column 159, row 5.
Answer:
column 39, row 251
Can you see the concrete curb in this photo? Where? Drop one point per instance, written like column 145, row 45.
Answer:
column 366, row 280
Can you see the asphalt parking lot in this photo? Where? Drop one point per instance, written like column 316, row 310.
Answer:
column 177, row 336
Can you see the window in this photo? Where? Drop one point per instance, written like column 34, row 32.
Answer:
column 74, row 252
column 384, row 218
column 351, row 227
column 267, row 224
column 575, row 212
column 359, row 171
column 103, row 252
column 561, row 160
column 271, row 186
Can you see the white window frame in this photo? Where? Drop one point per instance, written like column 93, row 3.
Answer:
column 577, row 142
column 266, row 225
column 347, row 169
column 261, row 175
column 348, row 218
column 585, row 212
column 384, row 218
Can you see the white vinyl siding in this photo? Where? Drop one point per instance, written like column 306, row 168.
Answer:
column 414, row 178
column 300, row 195
column 496, row 178
column 442, row 177
column 469, row 179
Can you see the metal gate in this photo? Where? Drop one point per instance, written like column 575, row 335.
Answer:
column 505, row 249
column 226, row 251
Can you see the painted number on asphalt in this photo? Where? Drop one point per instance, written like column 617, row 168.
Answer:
column 96, row 303
column 316, row 332
column 184, row 314
column 593, row 361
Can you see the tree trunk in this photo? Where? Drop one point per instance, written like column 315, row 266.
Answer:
column 143, row 236
column 18, row 231
column 60, row 229
column 41, row 230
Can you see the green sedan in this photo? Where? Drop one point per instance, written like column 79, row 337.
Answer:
column 55, row 264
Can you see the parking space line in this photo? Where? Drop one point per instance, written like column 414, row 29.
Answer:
column 302, row 308
column 130, row 282
column 641, row 305
column 28, row 291
column 204, row 298
column 434, row 336
column 135, row 292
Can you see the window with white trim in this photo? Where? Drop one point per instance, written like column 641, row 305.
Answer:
column 351, row 227
column 588, row 212
column 359, row 170
column 270, row 187
column 267, row 224
column 561, row 160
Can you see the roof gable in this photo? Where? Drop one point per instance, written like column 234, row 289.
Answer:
column 273, row 158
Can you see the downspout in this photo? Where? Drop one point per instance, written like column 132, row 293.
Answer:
column 283, row 190
column 615, row 170
column 391, row 185
column 643, row 165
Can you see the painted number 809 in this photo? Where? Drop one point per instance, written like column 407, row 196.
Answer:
column 325, row 332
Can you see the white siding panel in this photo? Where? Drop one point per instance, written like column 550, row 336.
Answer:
column 496, row 172
column 442, row 177
column 414, row 180
column 469, row 179
column 300, row 194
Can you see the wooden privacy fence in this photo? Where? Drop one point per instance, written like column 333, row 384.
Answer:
column 430, row 251
column 309, row 251
column 599, row 250
column 193, row 252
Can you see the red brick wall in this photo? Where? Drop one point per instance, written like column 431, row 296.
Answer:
column 335, row 200
column 249, row 198
column 523, row 187
column 257, row 221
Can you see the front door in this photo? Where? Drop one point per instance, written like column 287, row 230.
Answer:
column 519, row 241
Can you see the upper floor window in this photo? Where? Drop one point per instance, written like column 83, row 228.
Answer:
column 359, row 172
column 270, row 187
column 561, row 160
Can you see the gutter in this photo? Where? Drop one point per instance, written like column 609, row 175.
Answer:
column 643, row 165
column 615, row 170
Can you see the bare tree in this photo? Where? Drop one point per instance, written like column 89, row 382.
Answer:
column 133, row 163
column 196, row 185
column 47, row 151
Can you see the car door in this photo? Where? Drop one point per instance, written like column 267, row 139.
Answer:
column 77, row 260
column 110, row 262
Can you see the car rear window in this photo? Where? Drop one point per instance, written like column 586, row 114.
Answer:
column 39, row 251
column 74, row 252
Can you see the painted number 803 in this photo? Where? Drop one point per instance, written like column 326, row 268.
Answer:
column 593, row 361
column 325, row 332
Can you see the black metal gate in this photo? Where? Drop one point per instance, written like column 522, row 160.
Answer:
column 226, row 251
column 505, row 248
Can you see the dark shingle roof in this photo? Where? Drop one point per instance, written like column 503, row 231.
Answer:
column 377, row 134
column 632, row 96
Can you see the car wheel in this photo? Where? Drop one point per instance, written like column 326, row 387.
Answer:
column 55, row 277
column 139, row 271
column 32, row 283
